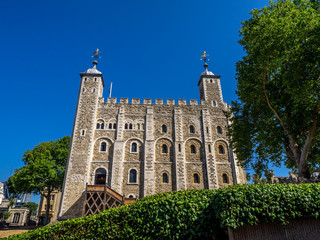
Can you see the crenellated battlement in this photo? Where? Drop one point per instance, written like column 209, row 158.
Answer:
column 148, row 101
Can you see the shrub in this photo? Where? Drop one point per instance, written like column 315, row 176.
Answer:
column 195, row 214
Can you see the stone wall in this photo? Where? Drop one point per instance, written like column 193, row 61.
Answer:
column 176, row 139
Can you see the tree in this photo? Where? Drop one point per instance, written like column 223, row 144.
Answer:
column 43, row 171
column 276, row 117
column 32, row 207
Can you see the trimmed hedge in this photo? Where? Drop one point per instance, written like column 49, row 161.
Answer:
column 195, row 214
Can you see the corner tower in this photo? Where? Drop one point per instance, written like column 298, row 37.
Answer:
column 81, row 148
column 209, row 86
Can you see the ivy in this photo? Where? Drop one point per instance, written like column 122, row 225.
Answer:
column 195, row 214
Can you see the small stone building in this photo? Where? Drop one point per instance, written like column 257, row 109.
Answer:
column 55, row 198
column 139, row 148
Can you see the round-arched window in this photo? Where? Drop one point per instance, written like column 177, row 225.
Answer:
column 221, row 149
column 133, row 176
column 193, row 149
column 196, row 178
column 103, row 147
column 191, row 129
column 164, row 128
column 165, row 178
column 100, row 176
column 134, row 147
column 219, row 130
column 164, row 148
column 225, row 178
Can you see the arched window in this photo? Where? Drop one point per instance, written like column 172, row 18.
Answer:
column 191, row 129
column 133, row 176
column 219, row 130
column 225, row 178
column 110, row 125
column 103, row 147
column 221, row 149
column 114, row 126
column 165, row 178
column 126, row 126
column 209, row 148
column 164, row 148
column 134, row 147
column 196, row 178
column 102, row 125
column 193, row 149
column 179, row 147
column 130, row 126
column 164, row 128
column 214, row 103
column 131, row 196
column 83, row 132
column 100, row 176
column 138, row 126
column 98, row 125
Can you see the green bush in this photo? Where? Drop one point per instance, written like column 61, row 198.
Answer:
column 195, row 214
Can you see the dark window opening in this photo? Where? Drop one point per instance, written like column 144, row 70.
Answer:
column 103, row 147
column 225, row 178
column 221, row 149
column 193, row 149
column 100, row 176
column 164, row 128
column 207, row 130
column 98, row 125
column 219, row 130
column 130, row 126
column 114, row 126
column 164, row 148
column 126, row 126
column 209, row 147
column 191, row 128
column 165, row 178
column 102, row 125
column 131, row 196
column 196, row 178
column 133, row 176
column 110, row 125
column 134, row 147
column 179, row 146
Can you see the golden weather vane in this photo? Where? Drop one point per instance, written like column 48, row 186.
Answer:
column 204, row 56
column 96, row 55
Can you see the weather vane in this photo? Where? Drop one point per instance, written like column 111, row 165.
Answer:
column 96, row 55
column 204, row 56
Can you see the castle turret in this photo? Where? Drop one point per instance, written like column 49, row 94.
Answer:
column 90, row 93
column 209, row 86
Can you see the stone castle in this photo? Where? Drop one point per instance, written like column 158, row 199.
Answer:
column 143, row 148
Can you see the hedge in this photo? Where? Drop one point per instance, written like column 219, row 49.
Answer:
column 195, row 214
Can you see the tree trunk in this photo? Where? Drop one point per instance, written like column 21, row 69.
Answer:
column 48, row 197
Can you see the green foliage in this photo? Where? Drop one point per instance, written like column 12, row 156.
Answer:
column 43, row 171
column 195, row 214
column 32, row 207
column 6, row 215
column 277, row 116
column 44, row 168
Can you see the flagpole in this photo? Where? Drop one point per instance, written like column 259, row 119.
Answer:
column 110, row 90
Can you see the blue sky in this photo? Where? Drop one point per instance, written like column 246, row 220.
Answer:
column 150, row 49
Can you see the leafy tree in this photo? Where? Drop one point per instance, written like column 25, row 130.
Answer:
column 43, row 171
column 32, row 207
column 276, row 117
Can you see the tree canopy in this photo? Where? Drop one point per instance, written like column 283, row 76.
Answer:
column 44, row 169
column 32, row 207
column 276, row 117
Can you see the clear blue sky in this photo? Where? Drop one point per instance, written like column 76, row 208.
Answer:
column 150, row 49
